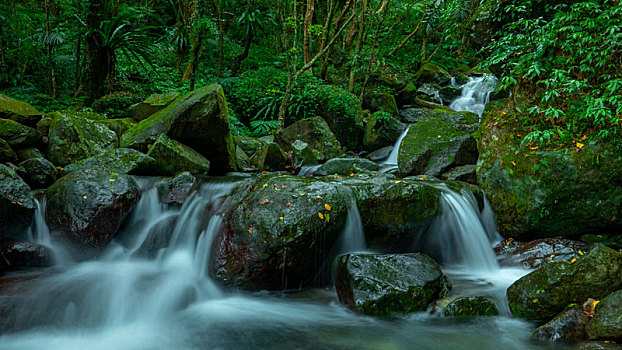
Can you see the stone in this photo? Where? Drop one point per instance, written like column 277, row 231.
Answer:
column 249, row 145
column 6, row 153
column 380, row 101
column 30, row 152
column 382, row 130
column 269, row 157
column 406, row 96
column 120, row 160
column 607, row 320
column 154, row 103
column 304, row 154
column 22, row 255
column 380, row 154
column 347, row 166
column 17, row 135
column 177, row 189
column 466, row 307
column 534, row 254
column 465, row 173
column 568, row 326
column 431, row 73
column 38, row 172
column 17, row 205
column 172, row 157
column 18, row 111
column 449, row 93
column 430, row 92
column 316, row 133
column 412, row 115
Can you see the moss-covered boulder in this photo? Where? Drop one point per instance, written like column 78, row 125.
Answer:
column 568, row 326
column 303, row 154
column 465, row 307
column 448, row 93
column 382, row 130
column 173, row 157
column 6, row 153
column 534, row 253
column 464, row 173
column 406, row 96
column 120, row 160
column 316, row 133
column 18, row 135
column 17, row 205
column 30, row 152
column 380, row 101
column 75, row 136
column 269, row 157
column 119, row 126
column 543, row 193
column 199, row 120
column 43, row 127
column 347, row 166
column 544, row 293
column 18, row 111
column 38, row 172
column 414, row 114
column 87, row 207
column 431, row 73
column 249, row 145
column 438, row 143
column 607, row 320
column 153, row 104
column 176, row 189
column 387, row 284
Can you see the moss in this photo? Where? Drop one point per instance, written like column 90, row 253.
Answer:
column 18, row 135
column 18, row 111
column 173, row 157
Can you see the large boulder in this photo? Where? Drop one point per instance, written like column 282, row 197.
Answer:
column 249, row 145
column 386, row 284
column 17, row 135
column 381, row 130
column 545, row 292
column 38, row 172
column 18, row 111
column 431, row 73
column 380, row 101
column 199, row 120
column 535, row 253
column 153, row 104
column 347, row 166
column 269, row 157
column 121, row 160
column 303, row 154
column 87, row 207
column 176, row 189
column 607, row 320
column 6, row 153
column 542, row 193
column 30, row 152
column 74, row 136
column 316, row 133
column 172, row 157
column 17, row 205
column 438, row 143
column 466, row 307
column 22, row 255
column 568, row 326
column 406, row 96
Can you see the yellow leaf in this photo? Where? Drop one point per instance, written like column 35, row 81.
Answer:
column 351, row 174
column 265, row 185
column 320, row 215
column 327, row 206
column 112, row 180
column 552, row 255
column 84, row 197
column 397, row 181
column 513, row 163
column 572, row 261
column 250, row 229
column 583, row 138
column 580, row 252
column 318, row 197
column 281, row 218
column 580, row 145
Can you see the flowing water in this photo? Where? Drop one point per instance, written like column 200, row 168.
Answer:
column 475, row 94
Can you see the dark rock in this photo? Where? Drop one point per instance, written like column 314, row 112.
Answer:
column 316, row 133
column 471, row 307
column 30, row 152
column 431, row 73
column 21, row 255
column 119, row 126
column 177, row 189
column 249, row 145
column 173, row 157
column 380, row 101
column 535, row 253
column 406, row 96
column 304, row 154
column 17, row 135
column 383, row 285
column 87, row 207
column 17, row 205
column 153, row 104
column 607, row 320
column 6, row 153
column 18, row 111
column 413, row 115
column 269, row 157
column 382, row 130
column 380, row 154
column 43, row 127
column 430, row 92
column 347, row 166
column 465, row 173
column 449, row 93
column 568, row 326
column 120, row 160
column 38, row 172
column 545, row 292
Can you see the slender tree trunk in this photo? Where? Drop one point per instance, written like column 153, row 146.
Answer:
column 48, row 46
column 359, row 45
column 195, row 60
column 221, row 38
column 338, row 23
column 78, row 68
column 306, row 45
column 374, row 45
column 98, row 68
column 244, row 54
column 412, row 34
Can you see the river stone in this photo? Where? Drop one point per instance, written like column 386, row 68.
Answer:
column 17, row 205
column 380, row 101
column 177, row 189
column 303, row 154
column 406, row 96
column 382, row 130
column 87, row 207
column 431, row 73
column 465, row 173
column 449, row 93
column 249, row 145
column 380, row 154
column 17, row 135
column 18, row 111
column 199, row 120
column 313, row 131
column 21, row 255
column 413, row 115
column 242, row 158
column 30, row 152
column 43, row 127
column 540, row 251
column 6, row 153
column 77, row 135
column 153, row 104
column 172, row 157
column 429, row 92
column 471, row 307
column 38, row 172
column 347, row 166
column 387, row 284
column 120, row 160
column 607, row 320
column 269, row 157
column 119, row 126
column 568, row 326
column 545, row 292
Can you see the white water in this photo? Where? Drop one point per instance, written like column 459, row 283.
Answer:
column 308, row 170
column 475, row 94
column 390, row 163
column 353, row 235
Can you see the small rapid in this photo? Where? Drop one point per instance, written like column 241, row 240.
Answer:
column 475, row 94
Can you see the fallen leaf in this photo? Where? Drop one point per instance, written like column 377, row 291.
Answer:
column 264, row 201
column 250, row 229
column 580, row 145
column 327, row 206
column 320, row 215
column 513, row 163
column 281, row 218
column 112, row 180
column 265, row 185
column 265, row 172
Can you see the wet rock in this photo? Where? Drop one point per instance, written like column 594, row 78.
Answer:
column 382, row 285
column 406, row 96
column 380, row 154
column 347, row 166
column 413, row 115
column 6, row 153
column 21, row 255
column 249, row 145
column 38, row 172
column 545, row 292
column 177, row 189
column 75, row 136
column 466, row 307
column 153, row 104
column 382, row 130
column 535, row 253
column 120, row 160
column 304, row 154
column 18, row 111
column 17, row 135
column 316, row 133
column 199, row 120
column 43, row 127
column 172, row 157
column 17, row 205
column 430, row 92
column 380, row 101
column 607, row 320
column 431, row 73
column 242, row 159
column 269, row 157
column 568, row 326
column 119, row 126
column 465, row 173
column 599, row 345
column 449, row 93
column 30, row 152
column 88, row 207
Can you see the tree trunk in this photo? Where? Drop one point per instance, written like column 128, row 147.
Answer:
column 98, row 68
column 338, row 23
column 48, row 47
column 306, row 45
column 359, row 44
column 243, row 55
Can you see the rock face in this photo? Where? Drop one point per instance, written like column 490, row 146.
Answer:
column 178, row 188
column 316, row 133
column 30, row 152
column 543, row 293
column 18, row 111
column 88, row 207
column 17, row 205
column 382, row 130
column 38, row 172
column 199, row 120
column 547, row 193
column 438, row 143
column 172, row 157
column 17, row 135
column 74, row 136
column 471, row 307
column 6, row 153
column 347, row 166
column 535, row 253
column 464, row 173
column 383, row 285
column 568, row 326
column 20, row 255
column 152, row 104
column 607, row 320
column 121, row 160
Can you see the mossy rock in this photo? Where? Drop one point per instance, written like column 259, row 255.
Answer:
column 43, row 126
column 304, row 154
column 269, row 157
column 380, row 101
column 152, row 104
column 178, row 188
column 18, row 135
column 120, row 160
column 18, row 111
column 87, row 208
column 545, row 292
column 17, row 205
column 387, row 284
column 568, row 326
column 199, row 120
column 77, row 135
column 173, row 157
column 464, row 173
column 38, row 172
column 406, row 96
column 607, row 321
column 249, row 145
column 431, row 73
column 316, row 133
column 30, row 152
column 119, row 126
column 347, row 166
column 6, row 153
column 382, row 130
column 467, row 307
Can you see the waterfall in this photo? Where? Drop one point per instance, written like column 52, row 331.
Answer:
column 475, row 94
column 392, row 159
column 308, row 170
column 353, row 235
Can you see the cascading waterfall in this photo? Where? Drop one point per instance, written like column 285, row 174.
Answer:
column 353, row 235
column 308, row 170
column 475, row 94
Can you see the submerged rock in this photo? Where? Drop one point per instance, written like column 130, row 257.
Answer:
column 535, row 253
column 38, row 172
column 120, row 160
column 17, row 205
column 545, row 292
column 471, row 307
column 568, row 326
column 87, row 207
column 18, row 111
column 347, row 166
column 177, row 189
column 607, row 320
column 386, row 284
column 316, row 133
